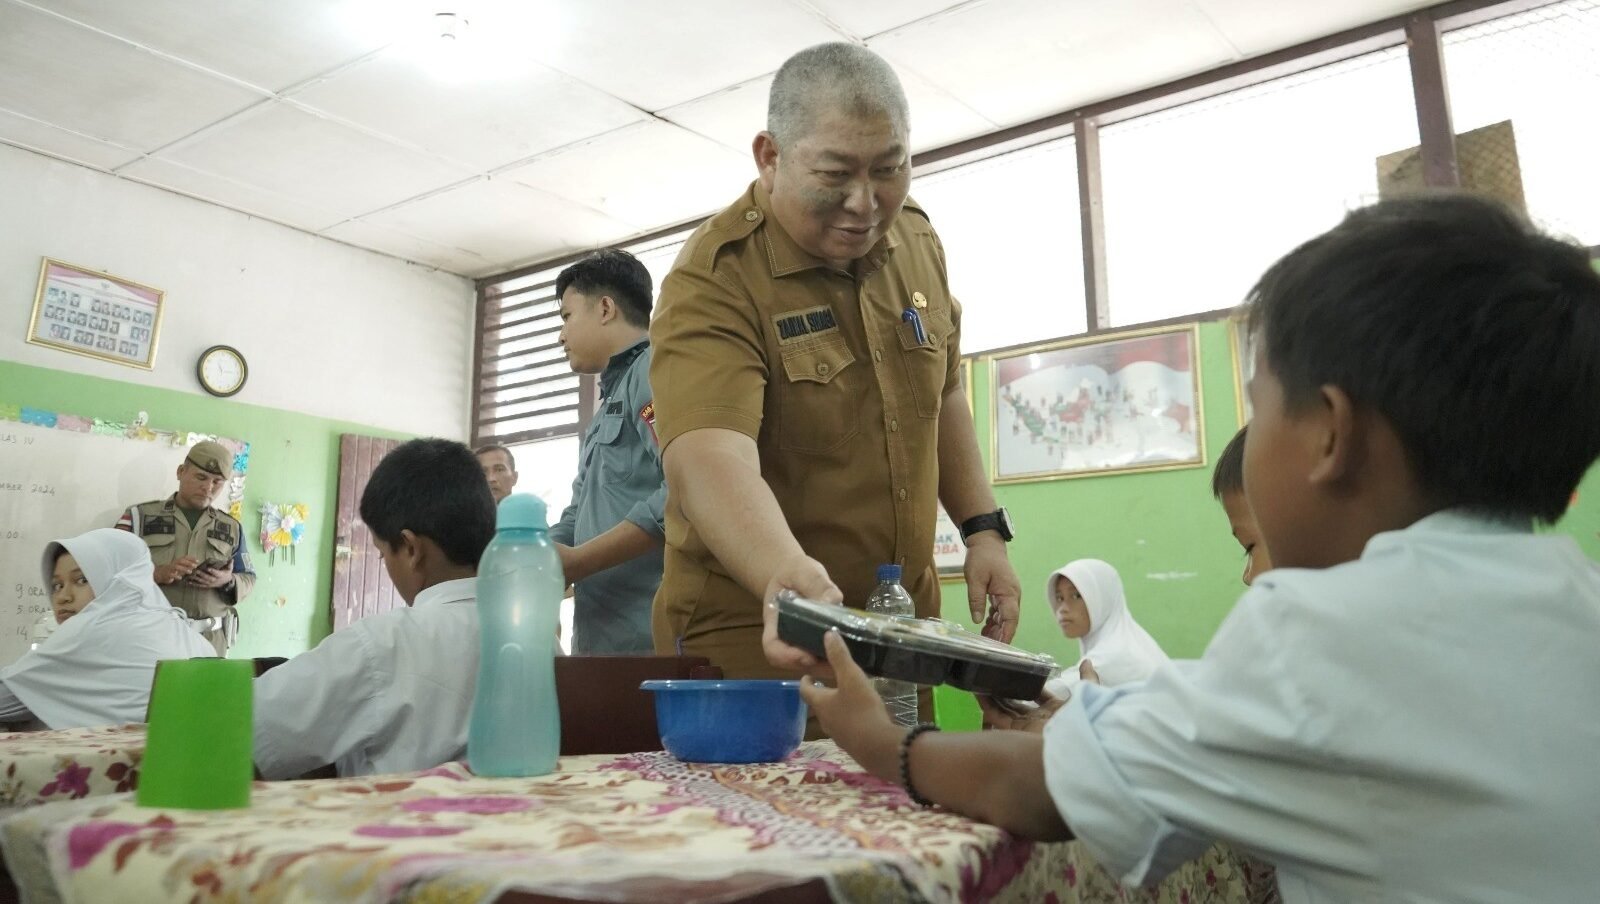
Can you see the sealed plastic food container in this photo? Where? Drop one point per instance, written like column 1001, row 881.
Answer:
column 924, row 650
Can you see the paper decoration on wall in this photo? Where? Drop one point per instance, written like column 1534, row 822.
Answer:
column 41, row 417
column 283, row 525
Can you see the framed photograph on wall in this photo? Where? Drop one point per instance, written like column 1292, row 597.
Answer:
column 87, row 312
column 1244, row 364
column 1105, row 404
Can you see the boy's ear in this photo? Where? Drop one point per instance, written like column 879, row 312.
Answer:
column 1336, row 434
column 608, row 309
column 411, row 550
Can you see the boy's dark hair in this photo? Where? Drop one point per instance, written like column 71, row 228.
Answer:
column 496, row 447
column 1228, row 477
column 435, row 489
column 616, row 273
column 1474, row 335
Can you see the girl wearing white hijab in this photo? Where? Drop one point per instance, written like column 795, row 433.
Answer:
column 1086, row 597
column 96, row 668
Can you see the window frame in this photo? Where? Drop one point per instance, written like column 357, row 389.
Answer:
column 1420, row 31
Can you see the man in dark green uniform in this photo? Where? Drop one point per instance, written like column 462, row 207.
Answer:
column 201, row 563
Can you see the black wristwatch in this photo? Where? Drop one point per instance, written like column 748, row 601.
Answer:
column 997, row 520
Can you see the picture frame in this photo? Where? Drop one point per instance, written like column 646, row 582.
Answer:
column 97, row 315
column 949, row 551
column 1244, row 364
column 1096, row 405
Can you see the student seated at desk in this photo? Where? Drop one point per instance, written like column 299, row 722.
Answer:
column 1087, row 599
column 393, row 691
column 1404, row 708
column 1227, row 485
column 113, row 626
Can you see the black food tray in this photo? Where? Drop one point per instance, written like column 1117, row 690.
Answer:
column 925, row 651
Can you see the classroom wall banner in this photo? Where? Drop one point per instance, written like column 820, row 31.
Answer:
column 1104, row 404
column 95, row 314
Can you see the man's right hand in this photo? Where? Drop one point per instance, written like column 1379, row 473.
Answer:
column 173, row 572
column 805, row 576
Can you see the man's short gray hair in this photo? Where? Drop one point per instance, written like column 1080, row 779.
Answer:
column 838, row 75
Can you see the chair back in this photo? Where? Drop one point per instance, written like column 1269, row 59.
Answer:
column 602, row 708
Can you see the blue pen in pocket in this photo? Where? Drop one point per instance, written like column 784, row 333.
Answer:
column 911, row 316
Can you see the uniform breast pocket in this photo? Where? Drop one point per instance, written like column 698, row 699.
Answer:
column 160, row 546
column 819, row 408
column 219, row 550
column 924, row 361
column 606, row 444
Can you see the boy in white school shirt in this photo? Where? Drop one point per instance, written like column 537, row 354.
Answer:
column 393, row 692
column 1405, row 707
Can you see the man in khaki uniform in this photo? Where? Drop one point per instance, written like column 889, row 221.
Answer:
column 808, row 396
column 199, row 554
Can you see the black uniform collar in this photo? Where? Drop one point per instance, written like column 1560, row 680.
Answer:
column 619, row 364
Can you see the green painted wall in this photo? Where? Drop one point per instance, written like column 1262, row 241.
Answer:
column 293, row 458
column 1164, row 533
column 1161, row 530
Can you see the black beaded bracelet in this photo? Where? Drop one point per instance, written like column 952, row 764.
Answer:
column 905, row 762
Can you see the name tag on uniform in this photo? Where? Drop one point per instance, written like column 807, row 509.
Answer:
column 796, row 325
column 158, row 524
column 614, row 407
column 221, row 532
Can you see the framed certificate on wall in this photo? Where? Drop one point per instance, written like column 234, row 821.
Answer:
column 90, row 313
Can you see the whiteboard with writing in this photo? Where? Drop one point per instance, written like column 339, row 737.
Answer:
column 57, row 483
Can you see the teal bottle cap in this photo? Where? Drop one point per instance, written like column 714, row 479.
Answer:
column 522, row 511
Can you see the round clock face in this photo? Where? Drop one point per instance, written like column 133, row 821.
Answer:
column 222, row 370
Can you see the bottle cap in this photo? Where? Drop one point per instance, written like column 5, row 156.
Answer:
column 889, row 573
column 521, row 511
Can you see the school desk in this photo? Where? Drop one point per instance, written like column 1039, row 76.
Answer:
column 631, row 827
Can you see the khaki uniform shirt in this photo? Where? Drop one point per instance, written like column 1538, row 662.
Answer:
column 216, row 536
column 816, row 365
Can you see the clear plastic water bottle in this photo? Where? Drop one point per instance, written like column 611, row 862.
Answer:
column 515, row 728
column 891, row 599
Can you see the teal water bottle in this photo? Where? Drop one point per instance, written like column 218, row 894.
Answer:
column 516, row 722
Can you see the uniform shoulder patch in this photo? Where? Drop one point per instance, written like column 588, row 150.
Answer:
column 648, row 415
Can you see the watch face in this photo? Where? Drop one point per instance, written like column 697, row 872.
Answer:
column 222, row 371
column 1005, row 520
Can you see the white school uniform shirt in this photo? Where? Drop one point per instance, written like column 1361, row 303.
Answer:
column 390, row 693
column 1121, row 651
column 1422, row 724
column 96, row 668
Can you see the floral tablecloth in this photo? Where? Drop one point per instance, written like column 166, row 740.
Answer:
column 39, row 767
column 637, row 827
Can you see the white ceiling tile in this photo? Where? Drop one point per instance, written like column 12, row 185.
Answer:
column 65, row 74
column 504, row 221
column 1014, row 60
column 47, row 139
column 647, row 175
column 733, row 117
column 867, row 19
column 655, row 55
column 294, row 153
column 239, row 196
column 402, row 245
column 271, row 45
column 1262, row 26
column 484, row 123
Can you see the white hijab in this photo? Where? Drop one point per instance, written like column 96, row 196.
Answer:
column 97, row 667
column 1121, row 651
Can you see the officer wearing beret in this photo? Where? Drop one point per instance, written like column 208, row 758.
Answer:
column 199, row 554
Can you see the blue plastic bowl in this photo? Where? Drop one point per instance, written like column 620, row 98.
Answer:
column 729, row 721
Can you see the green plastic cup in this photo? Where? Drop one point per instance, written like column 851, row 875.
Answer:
column 198, row 751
